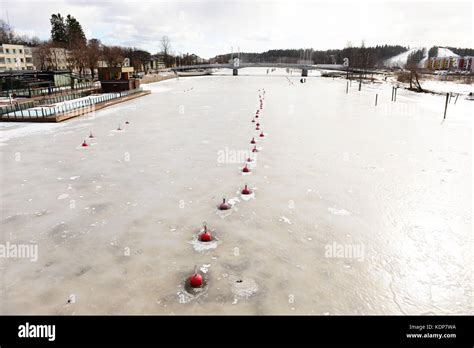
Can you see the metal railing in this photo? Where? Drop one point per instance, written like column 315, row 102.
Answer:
column 79, row 105
column 6, row 109
column 66, row 97
column 45, row 101
column 33, row 92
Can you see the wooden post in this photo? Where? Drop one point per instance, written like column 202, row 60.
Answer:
column 395, row 94
column 392, row 93
column 347, row 87
column 376, row 97
column 446, row 106
column 456, row 100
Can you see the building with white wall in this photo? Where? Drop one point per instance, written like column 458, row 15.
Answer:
column 15, row 57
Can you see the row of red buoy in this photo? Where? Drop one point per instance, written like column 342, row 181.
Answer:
column 85, row 144
column 196, row 280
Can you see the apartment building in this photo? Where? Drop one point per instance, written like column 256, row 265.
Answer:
column 15, row 57
column 451, row 63
column 52, row 58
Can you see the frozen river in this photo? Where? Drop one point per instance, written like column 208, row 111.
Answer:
column 357, row 209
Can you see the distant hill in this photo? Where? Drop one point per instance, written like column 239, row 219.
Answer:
column 359, row 57
column 421, row 54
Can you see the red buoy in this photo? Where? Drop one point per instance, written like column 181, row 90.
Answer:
column 195, row 280
column 249, row 160
column 256, row 116
column 224, row 205
column 246, row 191
column 257, row 128
column 253, row 120
column 90, row 135
column 119, row 129
column 254, row 149
column 253, row 141
column 258, row 124
column 126, row 122
column 246, row 169
column 261, row 135
column 84, row 144
column 205, row 236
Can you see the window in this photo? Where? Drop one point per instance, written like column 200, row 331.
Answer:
column 20, row 51
column 1, row 49
column 14, row 51
column 2, row 60
column 8, row 60
column 7, row 50
column 21, row 60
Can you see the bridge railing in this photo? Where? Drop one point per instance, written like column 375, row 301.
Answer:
column 261, row 65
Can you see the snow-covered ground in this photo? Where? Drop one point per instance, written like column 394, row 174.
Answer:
column 356, row 208
column 447, row 87
column 446, row 52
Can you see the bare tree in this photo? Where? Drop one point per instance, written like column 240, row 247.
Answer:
column 42, row 56
column 54, row 56
column 412, row 65
column 79, row 58
column 165, row 49
column 113, row 55
column 93, row 55
column 7, row 35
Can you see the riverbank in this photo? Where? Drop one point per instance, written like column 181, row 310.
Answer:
column 152, row 78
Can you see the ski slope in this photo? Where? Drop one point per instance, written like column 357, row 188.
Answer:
column 401, row 59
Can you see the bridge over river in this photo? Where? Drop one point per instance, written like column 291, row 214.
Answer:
column 235, row 67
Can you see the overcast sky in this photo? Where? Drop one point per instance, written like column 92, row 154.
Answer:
column 208, row 28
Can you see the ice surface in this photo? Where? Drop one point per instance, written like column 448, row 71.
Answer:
column 120, row 241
